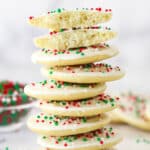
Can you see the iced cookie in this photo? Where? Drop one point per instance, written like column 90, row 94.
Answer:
column 132, row 111
column 96, row 140
column 115, row 119
column 59, row 90
column 50, row 58
column 61, row 19
column 62, row 126
column 147, row 111
column 86, row 107
column 88, row 73
column 75, row 38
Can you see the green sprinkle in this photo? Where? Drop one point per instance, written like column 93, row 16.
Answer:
column 112, row 100
column 98, row 139
column 56, row 123
column 50, row 118
column 69, row 140
column 105, row 101
column 112, row 104
column 59, row 86
column 83, row 85
column 59, row 139
column 77, row 52
column 110, row 129
column 50, row 72
column 64, row 103
column 45, row 117
column 16, row 86
column 84, row 139
column 24, row 97
column 38, row 116
column 6, row 148
column 59, row 10
column 84, row 120
column 66, row 138
column 61, row 30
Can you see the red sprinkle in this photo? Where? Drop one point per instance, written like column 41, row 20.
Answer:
column 31, row 17
column 65, row 144
column 98, row 9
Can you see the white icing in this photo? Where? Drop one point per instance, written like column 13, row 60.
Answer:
column 100, row 74
column 95, row 103
column 72, row 126
column 39, row 90
column 79, row 143
column 90, row 52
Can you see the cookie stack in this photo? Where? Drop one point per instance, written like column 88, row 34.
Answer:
column 71, row 99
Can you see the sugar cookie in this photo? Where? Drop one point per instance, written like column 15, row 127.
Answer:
column 59, row 90
column 88, row 73
column 62, row 126
column 50, row 58
column 147, row 111
column 132, row 111
column 74, row 38
column 114, row 119
column 61, row 19
column 87, row 107
column 96, row 140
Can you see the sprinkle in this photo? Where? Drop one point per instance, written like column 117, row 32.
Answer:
column 12, row 94
column 98, row 136
column 76, row 51
column 106, row 99
column 6, row 148
column 98, row 9
column 136, row 105
column 65, row 145
column 56, row 120
column 31, row 17
column 142, row 140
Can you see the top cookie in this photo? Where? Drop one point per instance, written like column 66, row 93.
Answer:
column 61, row 19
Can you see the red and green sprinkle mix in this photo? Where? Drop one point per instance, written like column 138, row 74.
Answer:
column 53, row 120
column 99, row 136
column 8, row 117
column 98, row 100
column 12, row 94
column 53, row 84
column 100, row 67
column 135, row 104
column 77, row 51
